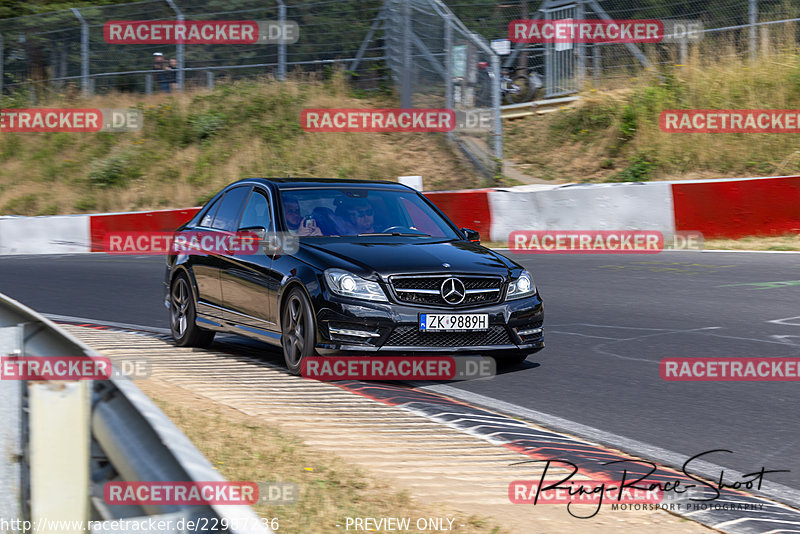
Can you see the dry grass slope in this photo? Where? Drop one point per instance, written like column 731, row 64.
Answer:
column 614, row 134
column 193, row 144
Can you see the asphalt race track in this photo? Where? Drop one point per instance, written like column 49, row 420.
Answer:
column 609, row 320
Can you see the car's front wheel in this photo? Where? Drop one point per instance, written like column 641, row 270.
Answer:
column 182, row 316
column 297, row 329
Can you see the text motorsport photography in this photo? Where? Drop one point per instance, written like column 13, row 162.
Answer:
column 638, row 485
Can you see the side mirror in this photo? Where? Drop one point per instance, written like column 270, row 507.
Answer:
column 261, row 234
column 259, row 231
column 471, row 235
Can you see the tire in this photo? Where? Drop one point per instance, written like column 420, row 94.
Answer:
column 298, row 334
column 525, row 90
column 182, row 316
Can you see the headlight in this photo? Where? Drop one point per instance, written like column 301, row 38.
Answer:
column 521, row 287
column 347, row 284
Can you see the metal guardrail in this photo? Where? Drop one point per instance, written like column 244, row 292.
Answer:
column 62, row 441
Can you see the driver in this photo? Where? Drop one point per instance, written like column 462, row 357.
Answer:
column 360, row 214
column 297, row 224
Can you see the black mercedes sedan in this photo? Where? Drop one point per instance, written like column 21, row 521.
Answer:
column 351, row 268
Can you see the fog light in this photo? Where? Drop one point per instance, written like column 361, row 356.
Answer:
column 352, row 333
column 529, row 332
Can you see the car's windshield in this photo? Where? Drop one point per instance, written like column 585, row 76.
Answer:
column 361, row 211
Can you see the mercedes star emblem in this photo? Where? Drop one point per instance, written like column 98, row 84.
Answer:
column 453, row 291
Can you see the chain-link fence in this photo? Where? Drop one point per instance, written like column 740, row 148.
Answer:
column 417, row 45
column 743, row 28
column 438, row 63
column 67, row 50
column 436, row 54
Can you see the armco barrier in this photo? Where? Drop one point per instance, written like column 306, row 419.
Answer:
column 738, row 208
column 80, row 434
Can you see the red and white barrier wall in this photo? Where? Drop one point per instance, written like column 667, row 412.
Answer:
column 730, row 208
column 717, row 208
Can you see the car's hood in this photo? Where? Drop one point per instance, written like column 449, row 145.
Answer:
column 392, row 256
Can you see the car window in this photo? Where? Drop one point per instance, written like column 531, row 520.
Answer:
column 349, row 212
column 419, row 219
column 230, row 208
column 257, row 212
column 208, row 218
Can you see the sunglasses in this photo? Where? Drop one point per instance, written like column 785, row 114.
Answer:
column 362, row 213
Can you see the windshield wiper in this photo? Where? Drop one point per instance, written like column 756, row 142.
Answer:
column 395, row 234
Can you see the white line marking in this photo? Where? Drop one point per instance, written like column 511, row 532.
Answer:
column 785, row 320
column 747, row 519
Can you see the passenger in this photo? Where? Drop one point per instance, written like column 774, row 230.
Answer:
column 302, row 226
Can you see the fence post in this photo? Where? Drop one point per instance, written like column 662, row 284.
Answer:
column 2, row 61
column 448, row 63
column 148, row 84
column 179, row 47
column 210, row 79
column 753, row 20
column 84, row 52
column 497, row 131
column 580, row 49
column 596, row 61
column 405, row 83
column 281, row 42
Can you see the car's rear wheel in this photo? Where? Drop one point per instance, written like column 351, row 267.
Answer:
column 297, row 329
column 182, row 316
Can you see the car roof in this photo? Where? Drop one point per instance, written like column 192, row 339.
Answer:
column 312, row 183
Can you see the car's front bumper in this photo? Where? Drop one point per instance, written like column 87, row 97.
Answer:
column 352, row 326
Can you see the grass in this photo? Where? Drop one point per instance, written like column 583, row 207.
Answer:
column 192, row 144
column 788, row 242
column 244, row 448
column 613, row 134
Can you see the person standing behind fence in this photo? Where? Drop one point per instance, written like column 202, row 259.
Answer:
column 172, row 74
column 162, row 76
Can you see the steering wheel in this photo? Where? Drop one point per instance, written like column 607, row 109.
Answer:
column 403, row 229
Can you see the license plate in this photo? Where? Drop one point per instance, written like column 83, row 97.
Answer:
column 448, row 322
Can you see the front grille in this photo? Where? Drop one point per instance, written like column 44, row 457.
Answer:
column 410, row 336
column 419, row 289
